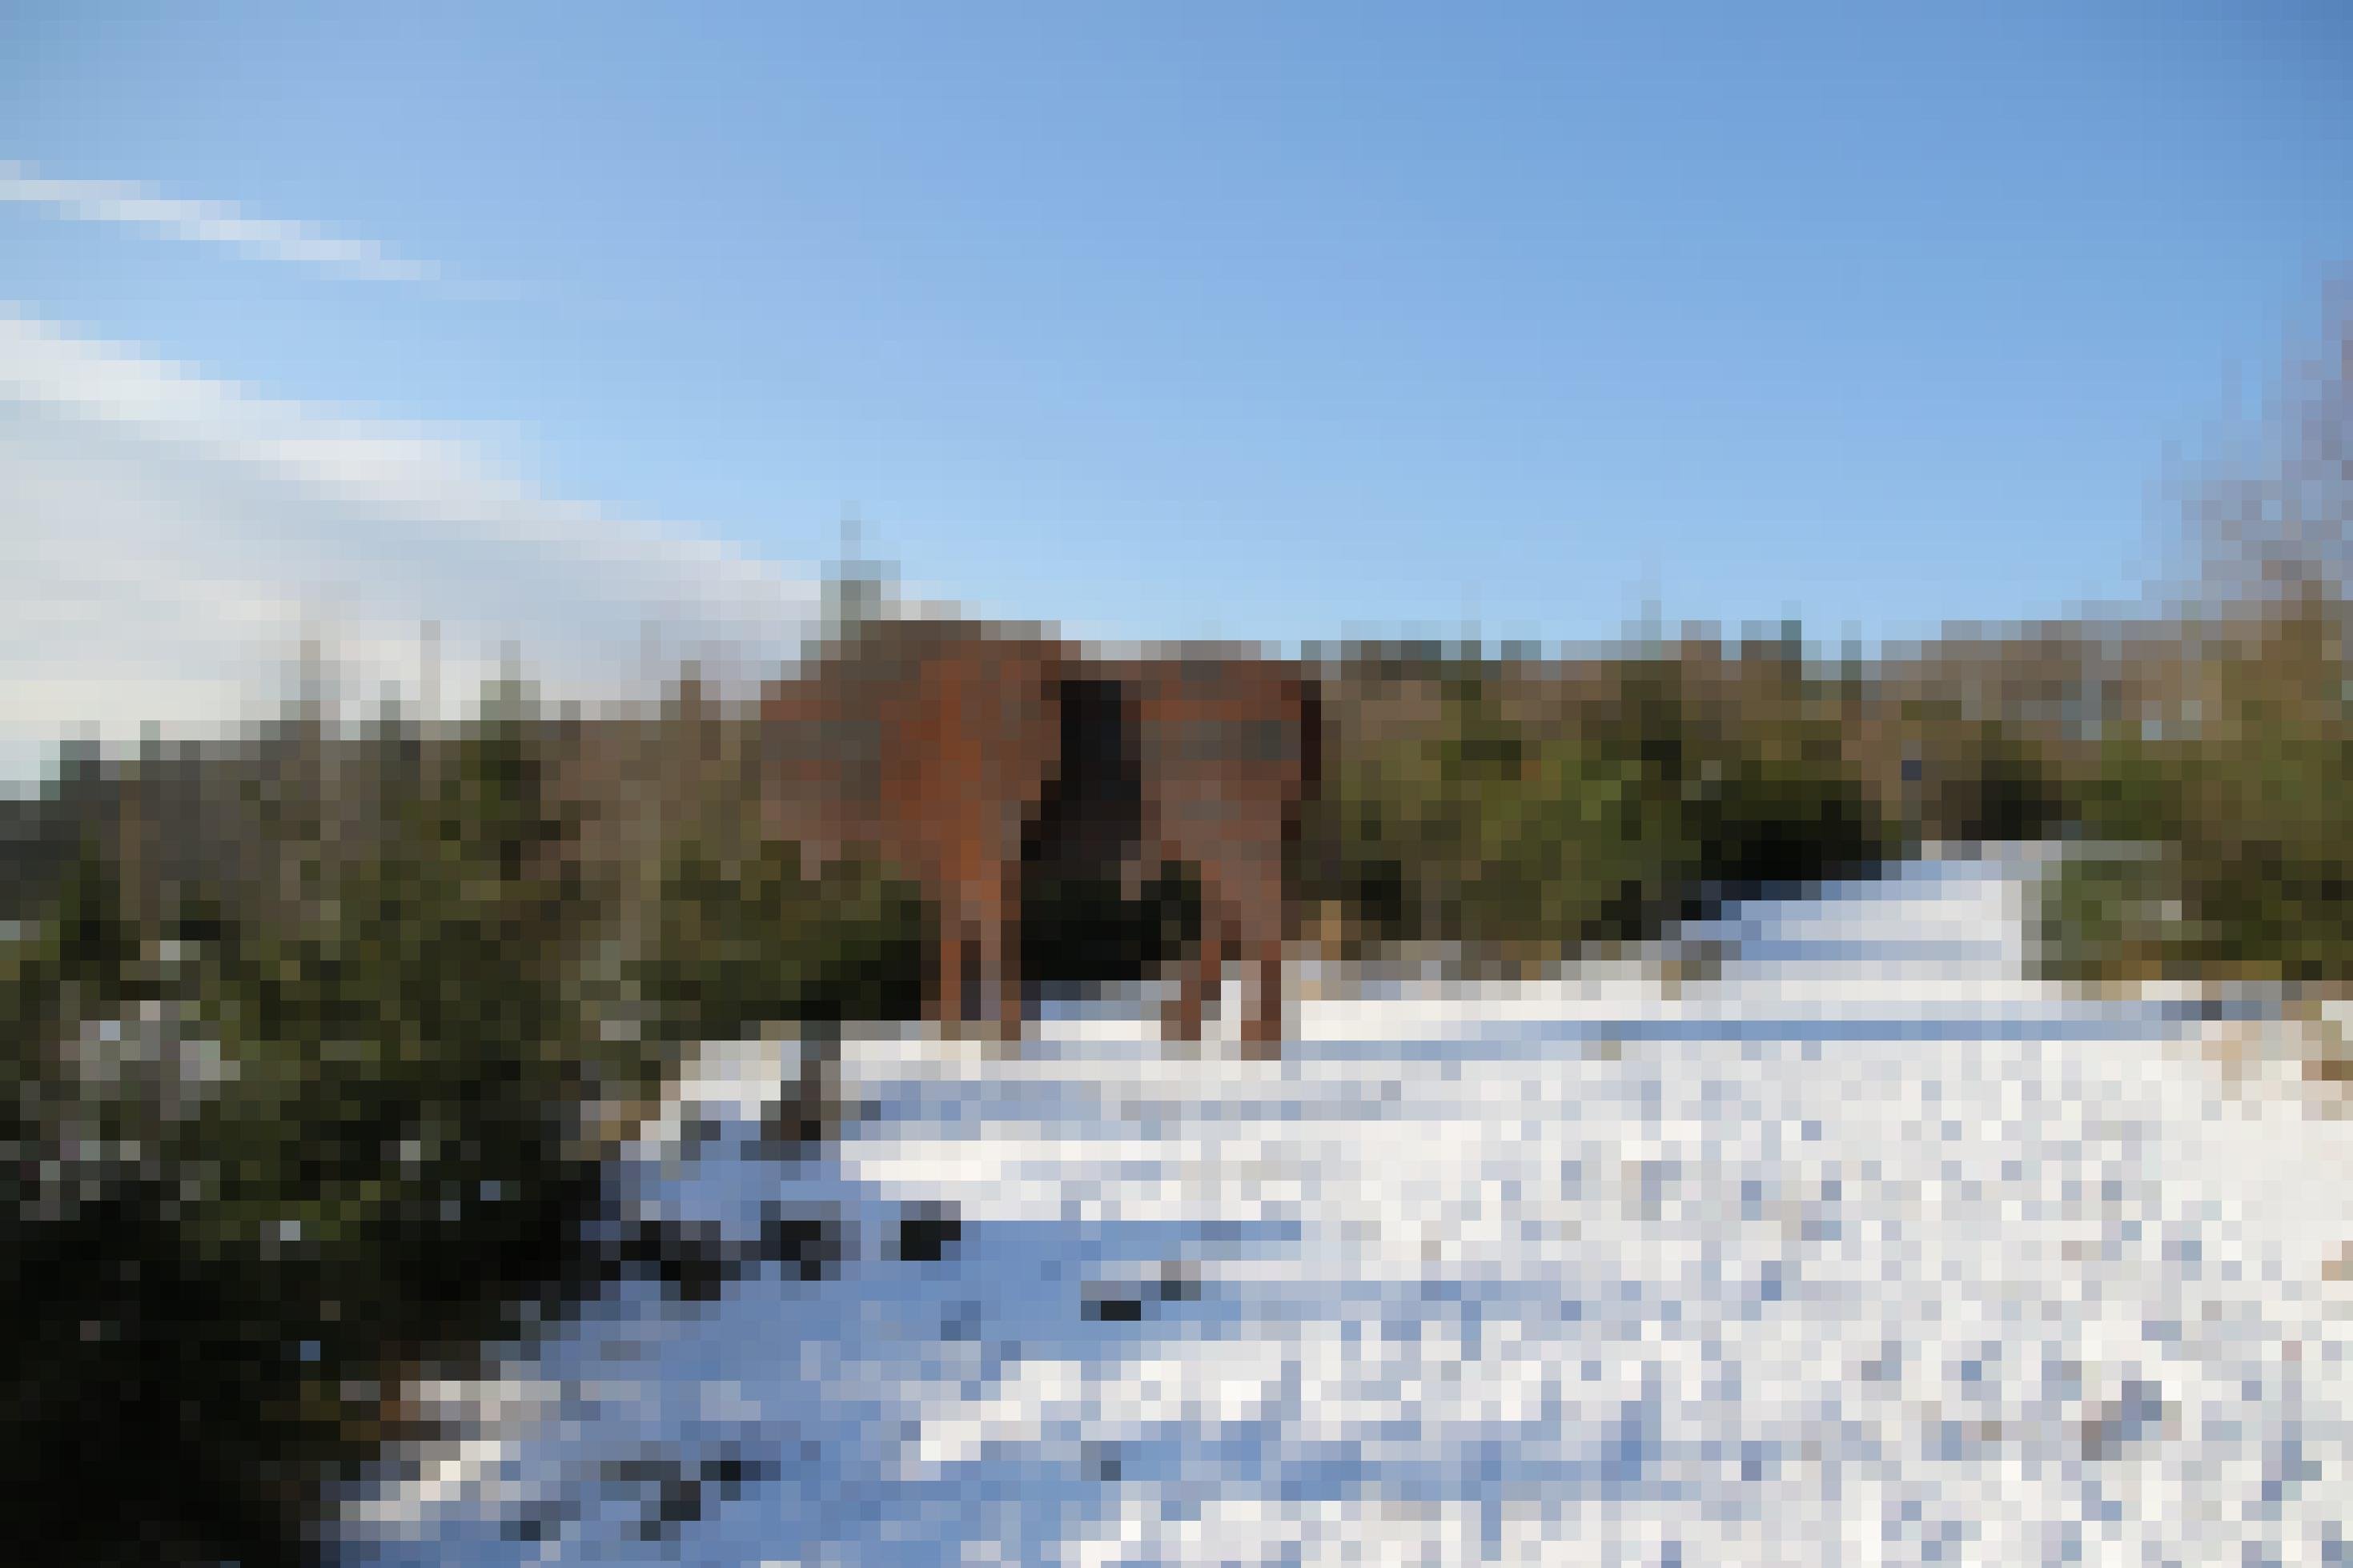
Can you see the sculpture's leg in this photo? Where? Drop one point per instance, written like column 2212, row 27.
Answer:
column 953, row 986
column 1261, row 1031
column 1000, row 968
column 1258, row 915
column 1198, row 981
column 940, row 997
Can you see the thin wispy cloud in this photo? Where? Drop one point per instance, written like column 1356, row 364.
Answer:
column 168, row 541
column 212, row 223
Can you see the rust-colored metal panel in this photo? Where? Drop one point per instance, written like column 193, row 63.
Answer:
column 1229, row 746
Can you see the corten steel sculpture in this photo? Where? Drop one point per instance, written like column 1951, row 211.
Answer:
column 940, row 744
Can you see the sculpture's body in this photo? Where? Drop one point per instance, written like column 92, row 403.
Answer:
column 941, row 745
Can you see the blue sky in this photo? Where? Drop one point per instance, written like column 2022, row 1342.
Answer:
column 1272, row 322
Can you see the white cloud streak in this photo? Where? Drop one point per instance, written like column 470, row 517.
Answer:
column 211, row 223
column 167, row 541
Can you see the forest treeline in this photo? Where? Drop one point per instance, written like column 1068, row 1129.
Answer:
column 317, row 1043
column 2196, row 765
column 317, row 1050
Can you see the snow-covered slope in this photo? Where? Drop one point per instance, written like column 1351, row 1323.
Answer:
column 1866, row 1248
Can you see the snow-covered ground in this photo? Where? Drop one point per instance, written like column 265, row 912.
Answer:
column 1864, row 1248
